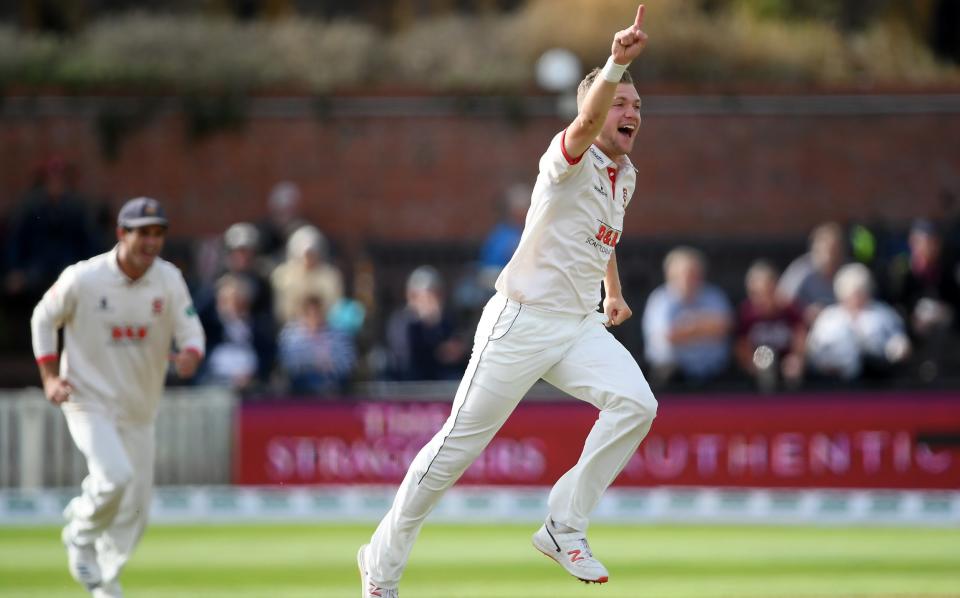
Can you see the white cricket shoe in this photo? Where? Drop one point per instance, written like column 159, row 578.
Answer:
column 82, row 561
column 571, row 551
column 369, row 589
column 107, row 590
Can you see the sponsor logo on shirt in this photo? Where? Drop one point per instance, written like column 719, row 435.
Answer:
column 600, row 190
column 128, row 333
column 608, row 235
column 157, row 306
column 103, row 305
column 597, row 156
column 606, row 238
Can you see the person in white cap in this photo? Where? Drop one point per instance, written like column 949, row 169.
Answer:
column 122, row 312
column 543, row 323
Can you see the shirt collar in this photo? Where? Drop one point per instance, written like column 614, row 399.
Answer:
column 114, row 265
column 601, row 160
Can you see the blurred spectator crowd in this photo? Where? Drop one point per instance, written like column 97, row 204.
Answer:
column 287, row 311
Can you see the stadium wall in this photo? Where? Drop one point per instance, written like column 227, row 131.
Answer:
column 825, row 459
column 431, row 168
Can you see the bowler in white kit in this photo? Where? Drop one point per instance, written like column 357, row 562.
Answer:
column 544, row 323
column 121, row 313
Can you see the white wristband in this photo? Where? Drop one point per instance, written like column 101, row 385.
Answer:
column 612, row 71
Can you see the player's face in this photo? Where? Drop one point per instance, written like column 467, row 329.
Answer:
column 139, row 247
column 623, row 121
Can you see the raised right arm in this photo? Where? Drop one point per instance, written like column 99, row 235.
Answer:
column 627, row 45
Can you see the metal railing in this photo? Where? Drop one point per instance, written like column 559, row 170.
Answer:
column 194, row 440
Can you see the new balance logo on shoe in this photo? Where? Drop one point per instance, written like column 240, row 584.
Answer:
column 571, row 551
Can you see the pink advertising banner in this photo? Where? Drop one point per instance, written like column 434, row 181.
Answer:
column 907, row 440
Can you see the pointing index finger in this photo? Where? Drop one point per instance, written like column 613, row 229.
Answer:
column 639, row 22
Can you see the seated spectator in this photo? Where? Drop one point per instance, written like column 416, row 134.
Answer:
column 857, row 335
column 316, row 357
column 686, row 322
column 923, row 286
column 808, row 280
column 305, row 272
column 240, row 243
column 240, row 346
column 422, row 338
column 770, row 331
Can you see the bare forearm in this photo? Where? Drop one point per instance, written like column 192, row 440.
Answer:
column 627, row 45
column 49, row 369
column 611, row 281
column 595, row 107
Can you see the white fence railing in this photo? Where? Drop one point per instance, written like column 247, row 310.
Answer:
column 194, row 440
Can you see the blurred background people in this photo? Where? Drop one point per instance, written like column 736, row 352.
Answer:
column 770, row 332
column 924, row 287
column 686, row 322
column 316, row 358
column 476, row 286
column 859, row 334
column 503, row 239
column 808, row 280
column 282, row 220
column 422, row 336
column 240, row 245
column 240, row 345
column 51, row 228
column 306, row 271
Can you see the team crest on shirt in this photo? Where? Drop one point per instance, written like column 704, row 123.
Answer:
column 157, row 306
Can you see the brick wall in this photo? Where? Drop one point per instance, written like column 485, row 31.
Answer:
column 422, row 169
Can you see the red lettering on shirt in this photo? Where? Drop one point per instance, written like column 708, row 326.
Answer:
column 608, row 236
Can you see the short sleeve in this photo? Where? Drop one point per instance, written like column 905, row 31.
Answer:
column 556, row 164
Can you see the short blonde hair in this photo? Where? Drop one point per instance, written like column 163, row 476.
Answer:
column 851, row 279
column 587, row 83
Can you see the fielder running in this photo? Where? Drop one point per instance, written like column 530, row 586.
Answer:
column 543, row 323
column 120, row 312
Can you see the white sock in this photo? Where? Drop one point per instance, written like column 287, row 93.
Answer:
column 560, row 527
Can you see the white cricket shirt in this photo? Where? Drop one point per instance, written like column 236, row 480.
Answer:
column 118, row 333
column 573, row 225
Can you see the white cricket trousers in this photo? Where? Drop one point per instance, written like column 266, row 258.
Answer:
column 114, row 504
column 514, row 347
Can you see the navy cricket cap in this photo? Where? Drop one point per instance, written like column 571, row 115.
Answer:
column 141, row 211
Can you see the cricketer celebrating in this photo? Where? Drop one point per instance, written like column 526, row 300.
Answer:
column 543, row 323
column 121, row 312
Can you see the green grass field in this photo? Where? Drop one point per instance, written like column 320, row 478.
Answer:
column 300, row 561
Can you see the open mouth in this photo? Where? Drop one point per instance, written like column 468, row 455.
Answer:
column 627, row 130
